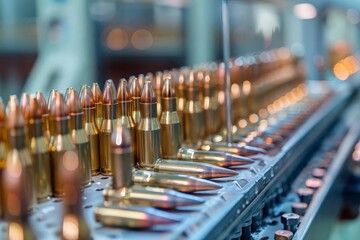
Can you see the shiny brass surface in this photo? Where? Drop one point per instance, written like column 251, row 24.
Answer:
column 193, row 113
column 45, row 114
column 233, row 148
column 61, row 147
column 18, row 157
column 78, row 135
column 158, row 84
column 122, row 157
column 108, row 124
column 181, row 97
column 132, row 216
column 150, row 196
column 148, row 131
column 196, row 169
column 135, row 92
column 179, row 182
column 74, row 225
column 124, row 115
column 210, row 105
column 88, row 105
column 171, row 134
column 98, row 97
column 39, row 150
column 221, row 159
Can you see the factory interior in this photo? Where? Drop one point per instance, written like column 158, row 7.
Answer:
column 179, row 119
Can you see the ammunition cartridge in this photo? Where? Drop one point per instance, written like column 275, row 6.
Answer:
column 45, row 115
column 88, row 105
column 98, row 98
column 78, row 135
column 135, row 92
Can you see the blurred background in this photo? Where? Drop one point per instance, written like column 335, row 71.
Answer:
column 48, row 44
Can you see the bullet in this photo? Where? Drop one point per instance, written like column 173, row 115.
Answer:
column 50, row 100
column 24, row 101
column 233, row 148
column 151, row 196
column 98, row 98
column 78, row 135
column 178, row 182
column 181, row 97
column 122, row 190
column 108, row 124
column 39, row 150
column 158, row 83
column 141, row 80
column 124, row 114
column 74, row 225
column 45, row 114
column 88, row 105
column 61, row 146
column 17, row 203
column 18, row 157
column 193, row 113
column 3, row 153
column 171, row 135
column 135, row 93
column 210, row 105
column 200, row 170
column 148, row 132
column 221, row 159
column 131, row 216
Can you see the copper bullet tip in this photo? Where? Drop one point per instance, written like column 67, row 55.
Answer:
column 134, row 87
column 15, row 117
column 148, row 93
column 97, row 94
column 158, row 80
column 141, row 79
column 33, row 109
column 86, row 97
column 192, row 81
column 123, row 92
column 73, row 101
column 24, row 101
column 168, row 89
column 207, row 79
column 51, row 98
column 58, row 106
column 109, row 95
column 42, row 102
column 120, row 137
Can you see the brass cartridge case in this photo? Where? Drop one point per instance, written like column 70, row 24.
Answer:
column 88, row 105
column 79, row 136
column 124, row 114
column 39, row 150
column 181, row 97
column 193, row 113
column 18, row 154
column 108, row 124
column 210, row 105
column 61, row 147
column 148, row 132
column 98, row 97
column 45, row 115
column 171, row 134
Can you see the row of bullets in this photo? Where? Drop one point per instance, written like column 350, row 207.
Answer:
column 135, row 134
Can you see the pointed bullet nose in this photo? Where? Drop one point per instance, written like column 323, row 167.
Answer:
column 123, row 91
column 158, row 81
column 141, row 80
column 97, row 94
column 42, row 102
column 24, row 101
column 234, row 160
column 204, row 185
column 120, row 137
column 183, row 199
column 220, row 172
column 148, row 93
column 86, row 97
column 168, row 90
column 51, row 97
column 73, row 101
column 192, row 81
column 15, row 118
column 58, row 107
column 134, row 87
column 33, row 109
column 109, row 95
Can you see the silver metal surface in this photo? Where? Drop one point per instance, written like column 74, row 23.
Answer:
column 226, row 52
